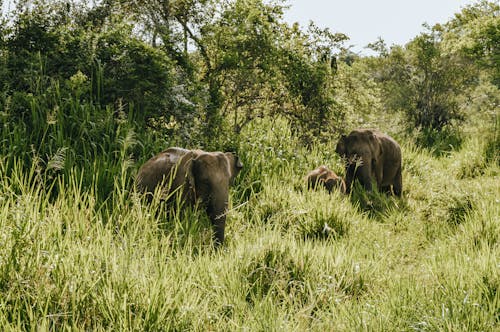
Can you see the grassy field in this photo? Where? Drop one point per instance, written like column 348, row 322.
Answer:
column 72, row 259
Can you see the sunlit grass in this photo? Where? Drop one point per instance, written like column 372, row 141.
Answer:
column 80, row 257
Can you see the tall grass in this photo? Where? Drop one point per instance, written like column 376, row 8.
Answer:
column 80, row 252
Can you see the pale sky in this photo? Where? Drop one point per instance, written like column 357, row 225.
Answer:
column 396, row 21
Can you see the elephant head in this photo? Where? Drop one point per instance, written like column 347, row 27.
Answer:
column 211, row 174
column 333, row 182
column 197, row 176
column 360, row 151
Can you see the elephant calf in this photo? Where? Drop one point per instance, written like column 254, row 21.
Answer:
column 325, row 177
column 198, row 175
column 371, row 156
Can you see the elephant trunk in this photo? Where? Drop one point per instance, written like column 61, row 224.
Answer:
column 365, row 172
column 216, row 210
column 359, row 168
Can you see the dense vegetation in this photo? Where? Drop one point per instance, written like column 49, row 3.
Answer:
column 88, row 93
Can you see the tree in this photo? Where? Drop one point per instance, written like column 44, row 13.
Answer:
column 249, row 62
column 308, row 65
column 209, row 64
column 52, row 41
column 242, row 47
column 475, row 33
column 424, row 82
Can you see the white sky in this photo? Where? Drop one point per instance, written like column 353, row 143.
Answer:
column 396, row 21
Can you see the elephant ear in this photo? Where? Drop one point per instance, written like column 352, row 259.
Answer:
column 376, row 145
column 234, row 164
column 340, row 148
column 190, row 181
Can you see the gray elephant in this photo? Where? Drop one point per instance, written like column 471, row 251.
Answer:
column 197, row 175
column 371, row 156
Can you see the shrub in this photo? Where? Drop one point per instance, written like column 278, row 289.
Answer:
column 278, row 273
column 329, row 220
column 439, row 141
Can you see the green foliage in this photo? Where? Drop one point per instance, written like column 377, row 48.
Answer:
column 437, row 81
column 359, row 99
column 276, row 273
column 439, row 141
column 240, row 64
column 459, row 209
column 480, row 155
column 309, row 69
column 136, row 73
column 424, row 83
column 475, row 32
column 49, row 43
column 377, row 205
column 493, row 143
column 51, row 135
column 328, row 221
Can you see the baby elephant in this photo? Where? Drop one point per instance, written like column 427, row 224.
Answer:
column 325, row 177
column 197, row 176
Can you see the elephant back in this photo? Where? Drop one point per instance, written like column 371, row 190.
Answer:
column 169, row 169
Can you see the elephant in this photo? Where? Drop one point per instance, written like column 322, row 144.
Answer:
column 371, row 156
column 325, row 177
column 197, row 176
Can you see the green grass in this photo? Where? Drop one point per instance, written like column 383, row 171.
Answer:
column 75, row 256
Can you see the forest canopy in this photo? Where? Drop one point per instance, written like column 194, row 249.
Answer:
column 196, row 73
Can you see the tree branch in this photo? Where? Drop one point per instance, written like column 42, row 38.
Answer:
column 198, row 42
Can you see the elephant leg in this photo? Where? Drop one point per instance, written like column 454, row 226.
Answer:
column 386, row 190
column 379, row 174
column 398, row 183
column 219, row 228
column 366, row 181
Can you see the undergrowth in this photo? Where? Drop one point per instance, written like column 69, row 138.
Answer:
column 81, row 252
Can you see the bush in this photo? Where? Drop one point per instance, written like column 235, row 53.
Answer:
column 492, row 146
column 439, row 141
column 48, row 46
column 324, row 225
column 276, row 272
